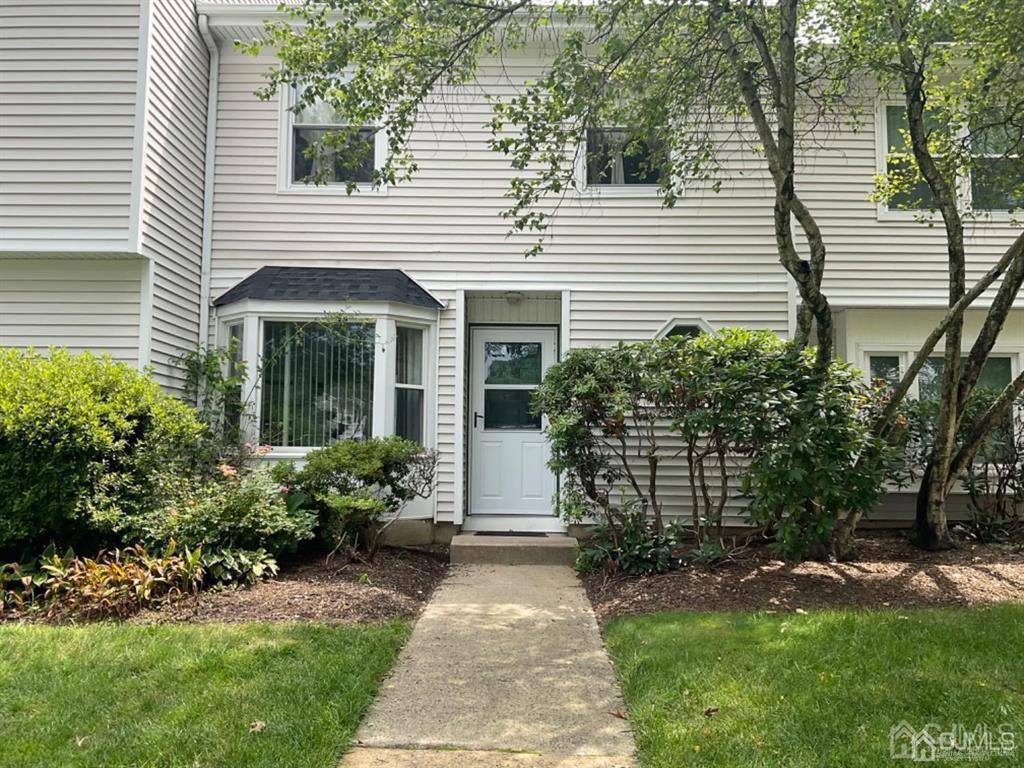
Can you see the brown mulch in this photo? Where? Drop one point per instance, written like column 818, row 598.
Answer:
column 396, row 585
column 887, row 571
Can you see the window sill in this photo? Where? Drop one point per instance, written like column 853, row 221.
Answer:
column 914, row 217
column 621, row 191
column 332, row 190
column 930, row 218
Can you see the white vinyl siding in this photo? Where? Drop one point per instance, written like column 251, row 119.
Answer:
column 172, row 210
column 629, row 264
column 82, row 304
column 67, row 119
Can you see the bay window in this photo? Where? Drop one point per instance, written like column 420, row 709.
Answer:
column 312, row 383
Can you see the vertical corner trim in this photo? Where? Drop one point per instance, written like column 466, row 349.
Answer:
column 460, row 408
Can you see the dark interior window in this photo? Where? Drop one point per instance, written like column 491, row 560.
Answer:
column 614, row 157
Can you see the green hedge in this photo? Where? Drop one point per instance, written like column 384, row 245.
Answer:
column 84, row 441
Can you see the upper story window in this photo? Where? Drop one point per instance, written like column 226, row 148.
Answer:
column 899, row 159
column 616, row 157
column 997, row 168
column 996, row 180
column 322, row 153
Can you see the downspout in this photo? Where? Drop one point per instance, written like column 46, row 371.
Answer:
column 208, row 170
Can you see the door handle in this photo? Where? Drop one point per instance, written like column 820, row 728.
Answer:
column 475, row 417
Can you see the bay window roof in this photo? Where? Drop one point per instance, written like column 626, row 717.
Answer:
column 330, row 284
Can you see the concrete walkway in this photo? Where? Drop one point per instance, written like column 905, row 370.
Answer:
column 505, row 669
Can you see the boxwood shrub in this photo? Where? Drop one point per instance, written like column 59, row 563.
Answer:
column 84, row 441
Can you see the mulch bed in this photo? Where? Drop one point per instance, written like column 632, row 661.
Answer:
column 887, row 571
column 396, row 585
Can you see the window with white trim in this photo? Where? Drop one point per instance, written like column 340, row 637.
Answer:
column 997, row 168
column 899, row 159
column 233, row 400
column 320, row 152
column 410, row 391
column 889, row 367
column 995, row 181
column 618, row 157
column 687, row 327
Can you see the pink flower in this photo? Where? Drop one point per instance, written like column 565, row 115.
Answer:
column 227, row 470
column 283, row 489
column 248, row 446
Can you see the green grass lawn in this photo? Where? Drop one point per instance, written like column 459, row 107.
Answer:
column 120, row 695
column 815, row 689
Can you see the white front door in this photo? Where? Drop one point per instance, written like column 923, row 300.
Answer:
column 508, row 459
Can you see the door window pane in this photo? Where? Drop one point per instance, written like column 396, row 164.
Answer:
column 886, row 368
column 409, row 356
column 509, row 409
column 317, row 383
column 409, row 414
column 515, row 362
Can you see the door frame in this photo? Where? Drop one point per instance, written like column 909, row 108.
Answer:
column 538, row 523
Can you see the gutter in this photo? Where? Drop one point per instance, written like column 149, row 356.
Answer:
column 208, row 173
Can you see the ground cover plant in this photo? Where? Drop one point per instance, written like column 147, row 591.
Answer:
column 812, row 689
column 245, row 696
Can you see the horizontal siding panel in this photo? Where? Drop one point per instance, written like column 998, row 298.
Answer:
column 630, row 263
column 173, row 182
column 84, row 305
column 67, row 118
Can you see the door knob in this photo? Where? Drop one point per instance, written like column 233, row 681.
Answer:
column 475, row 417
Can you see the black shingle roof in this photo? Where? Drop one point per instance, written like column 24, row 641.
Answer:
column 330, row 284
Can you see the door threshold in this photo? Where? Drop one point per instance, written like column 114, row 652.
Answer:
column 505, row 525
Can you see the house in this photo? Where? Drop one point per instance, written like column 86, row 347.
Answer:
column 148, row 200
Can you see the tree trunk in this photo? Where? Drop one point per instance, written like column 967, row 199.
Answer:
column 931, row 526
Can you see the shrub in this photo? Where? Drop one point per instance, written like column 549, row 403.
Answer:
column 118, row 583
column 238, row 566
column 214, row 381
column 995, row 479
column 736, row 402
column 359, row 487
column 631, row 545
column 84, row 441
column 242, row 511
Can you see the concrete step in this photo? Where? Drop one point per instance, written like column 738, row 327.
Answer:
column 470, row 549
